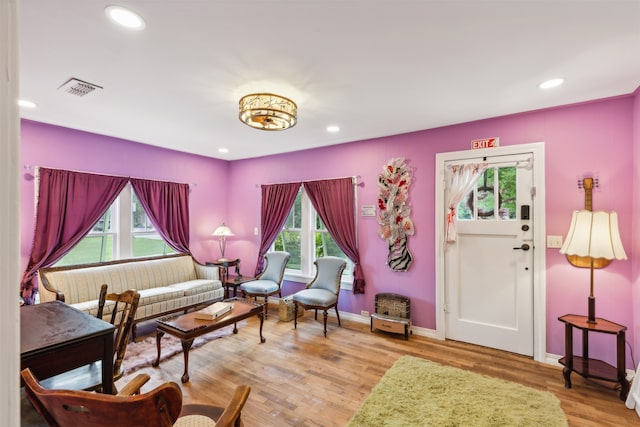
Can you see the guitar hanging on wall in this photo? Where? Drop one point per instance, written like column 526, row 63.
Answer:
column 584, row 261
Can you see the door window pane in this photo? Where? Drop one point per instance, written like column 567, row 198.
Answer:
column 481, row 203
column 507, row 186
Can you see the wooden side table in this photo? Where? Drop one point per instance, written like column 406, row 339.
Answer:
column 593, row 368
column 234, row 282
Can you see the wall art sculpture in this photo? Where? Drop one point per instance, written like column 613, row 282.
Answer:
column 394, row 212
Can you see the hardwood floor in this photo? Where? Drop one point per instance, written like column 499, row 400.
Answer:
column 300, row 378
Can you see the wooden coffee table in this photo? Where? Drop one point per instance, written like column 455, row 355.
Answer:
column 187, row 328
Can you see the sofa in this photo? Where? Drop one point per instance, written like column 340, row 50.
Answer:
column 167, row 284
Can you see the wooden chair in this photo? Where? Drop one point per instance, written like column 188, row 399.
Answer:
column 269, row 282
column 123, row 308
column 323, row 291
column 160, row 407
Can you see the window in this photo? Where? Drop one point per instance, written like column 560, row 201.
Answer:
column 306, row 238
column 124, row 231
column 482, row 203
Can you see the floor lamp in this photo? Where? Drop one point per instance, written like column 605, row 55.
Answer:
column 594, row 235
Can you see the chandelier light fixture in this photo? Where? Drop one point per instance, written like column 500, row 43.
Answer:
column 266, row 111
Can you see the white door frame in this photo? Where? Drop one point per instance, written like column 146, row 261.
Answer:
column 538, row 215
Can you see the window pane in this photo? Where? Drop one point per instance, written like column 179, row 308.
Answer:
column 297, row 211
column 326, row 246
column 90, row 249
column 485, row 195
column 140, row 220
column 104, row 223
column 507, row 188
column 465, row 208
column 289, row 241
column 150, row 245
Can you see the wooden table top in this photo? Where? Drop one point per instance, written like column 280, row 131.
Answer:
column 46, row 326
column 185, row 326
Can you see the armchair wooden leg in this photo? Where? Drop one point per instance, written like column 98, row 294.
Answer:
column 266, row 307
column 325, row 315
column 337, row 315
column 295, row 315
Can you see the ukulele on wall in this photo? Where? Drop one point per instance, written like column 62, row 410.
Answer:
column 584, row 261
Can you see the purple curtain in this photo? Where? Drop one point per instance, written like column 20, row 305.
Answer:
column 68, row 206
column 334, row 201
column 277, row 200
column 167, row 205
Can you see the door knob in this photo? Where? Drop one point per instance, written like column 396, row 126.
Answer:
column 524, row 247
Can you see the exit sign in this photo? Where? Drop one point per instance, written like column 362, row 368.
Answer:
column 485, row 143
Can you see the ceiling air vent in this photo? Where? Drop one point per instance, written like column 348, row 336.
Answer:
column 78, row 87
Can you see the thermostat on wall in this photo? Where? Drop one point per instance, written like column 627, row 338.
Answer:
column 368, row 210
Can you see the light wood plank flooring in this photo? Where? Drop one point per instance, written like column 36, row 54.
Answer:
column 300, row 378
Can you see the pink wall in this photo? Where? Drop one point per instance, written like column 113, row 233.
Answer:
column 62, row 148
column 591, row 138
column 634, row 328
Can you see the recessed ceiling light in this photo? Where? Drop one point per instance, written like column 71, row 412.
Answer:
column 333, row 129
column 223, row 150
column 551, row 83
column 125, row 17
column 26, row 103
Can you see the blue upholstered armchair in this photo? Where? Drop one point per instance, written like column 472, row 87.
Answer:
column 323, row 291
column 268, row 282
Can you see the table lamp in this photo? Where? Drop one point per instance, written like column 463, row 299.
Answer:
column 222, row 232
column 594, row 235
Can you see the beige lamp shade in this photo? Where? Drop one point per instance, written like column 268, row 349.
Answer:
column 595, row 235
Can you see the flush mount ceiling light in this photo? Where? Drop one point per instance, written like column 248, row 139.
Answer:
column 125, row 17
column 25, row 103
column 266, row 111
column 551, row 83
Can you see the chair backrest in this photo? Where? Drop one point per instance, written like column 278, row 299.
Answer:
column 328, row 273
column 158, row 408
column 125, row 305
column 276, row 263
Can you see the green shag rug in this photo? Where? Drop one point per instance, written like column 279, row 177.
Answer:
column 418, row 392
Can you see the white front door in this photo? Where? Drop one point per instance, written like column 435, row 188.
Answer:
column 489, row 269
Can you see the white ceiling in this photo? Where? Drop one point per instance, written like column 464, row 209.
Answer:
column 372, row 67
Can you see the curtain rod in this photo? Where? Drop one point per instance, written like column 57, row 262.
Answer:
column 355, row 179
column 31, row 167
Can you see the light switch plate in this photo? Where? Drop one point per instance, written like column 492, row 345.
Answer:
column 554, row 242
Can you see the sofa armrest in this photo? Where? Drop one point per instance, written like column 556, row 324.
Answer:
column 208, row 272
column 46, row 290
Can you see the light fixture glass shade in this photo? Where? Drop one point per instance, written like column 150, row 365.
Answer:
column 223, row 232
column 595, row 235
column 267, row 111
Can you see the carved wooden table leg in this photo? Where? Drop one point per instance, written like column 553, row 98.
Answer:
column 186, row 345
column 568, row 354
column 159, row 335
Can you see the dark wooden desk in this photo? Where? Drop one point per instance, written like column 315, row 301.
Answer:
column 586, row 366
column 56, row 338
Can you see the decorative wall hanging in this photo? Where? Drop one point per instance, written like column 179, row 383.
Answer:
column 394, row 211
